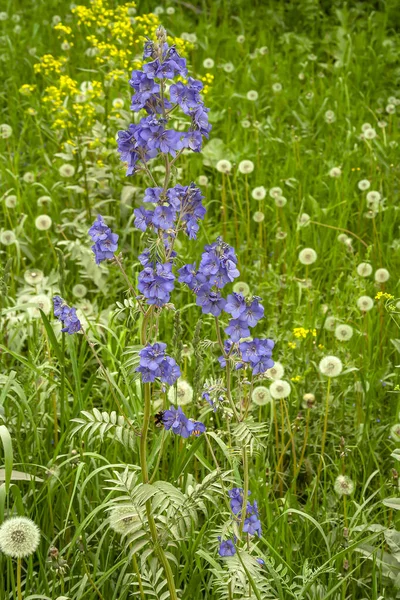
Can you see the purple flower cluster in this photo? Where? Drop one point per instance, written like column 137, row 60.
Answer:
column 155, row 363
column 176, row 420
column 156, row 280
column 227, row 547
column 252, row 523
column 180, row 204
column 245, row 314
column 150, row 136
column 105, row 241
column 217, row 268
column 66, row 315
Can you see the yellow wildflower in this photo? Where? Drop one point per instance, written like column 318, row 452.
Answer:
column 384, row 295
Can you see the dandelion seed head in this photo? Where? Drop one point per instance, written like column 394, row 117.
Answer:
column 276, row 372
column 370, row 134
column 395, row 432
column 279, row 389
column 67, row 170
column 118, row 103
column 364, row 269
column 308, row 400
column 202, row 180
column 344, row 486
column 5, row 131
column 41, row 302
column 304, row 220
column 7, row 237
column 259, row 193
column 307, row 256
column 245, row 123
column 365, row 303
column 280, row 201
column 252, row 95
column 224, row 166
column 276, row 88
column 331, row 366
column 19, row 537
column 240, row 39
column 208, row 63
column 364, row 184
column 342, row 238
column 343, row 332
column 28, row 177
column 79, row 290
column 183, row 393
column 170, row 10
column 260, row 395
column 281, row 235
column 258, row 216
column 228, row 67
column 330, row 116
column 246, row 167
column 10, row 201
column 390, row 109
column 275, row 192
column 381, row 275
column 44, row 200
column 43, row 222
column 373, row 196
column 335, row 172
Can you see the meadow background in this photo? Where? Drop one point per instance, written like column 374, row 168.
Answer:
column 309, row 94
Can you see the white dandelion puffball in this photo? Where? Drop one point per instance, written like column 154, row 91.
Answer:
column 260, row 395
column 123, row 519
column 366, row 126
column 331, row 366
column 395, row 432
column 44, row 200
column 343, row 333
column 342, row 238
column 365, row 303
column 364, row 269
column 241, row 287
column 202, row 180
column 208, row 63
column 363, row 185
column 304, row 220
column 275, row 192
column 279, row 389
column 246, row 167
column 252, row 95
column 335, row 172
column 40, row 302
column 245, row 123
column 344, row 486
column 33, row 276
column 28, row 177
column 330, row 323
column 370, row 134
column 228, row 67
column 373, row 197
column 258, row 216
column 308, row 400
column 183, row 394
column 19, row 537
column 281, row 235
column 7, row 237
column 276, row 372
column 5, row 131
column 118, row 103
column 65, row 46
column 259, row 193
column 67, row 170
column 277, row 87
column 224, row 166
column 280, row 201
column 43, row 222
column 170, row 10
column 240, row 39
column 330, row 116
column 381, row 275
column 390, row 109
column 10, row 201
column 307, row 256
column 79, row 290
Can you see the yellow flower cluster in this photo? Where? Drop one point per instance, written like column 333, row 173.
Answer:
column 300, row 332
column 384, row 295
column 49, row 65
column 207, row 80
column 292, row 345
column 27, row 89
column 296, row 378
column 60, row 28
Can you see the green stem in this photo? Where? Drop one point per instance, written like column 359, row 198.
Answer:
column 245, row 489
column 324, row 432
column 19, row 591
column 136, row 569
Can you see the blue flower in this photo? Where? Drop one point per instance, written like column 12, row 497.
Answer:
column 235, row 305
column 211, row 302
column 226, row 548
column 236, row 496
column 67, row 315
column 218, row 263
column 176, row 420
column 105, row 241
column 157, row 284
column 252, row 524
column 258, row 353
column 156, row 364
column 237, row 329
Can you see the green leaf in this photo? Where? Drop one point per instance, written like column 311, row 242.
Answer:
column 52, row 338
column 392, row 503
column 8, row 455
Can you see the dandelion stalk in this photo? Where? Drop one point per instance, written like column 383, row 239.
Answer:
column 324, row 432
column 19, row 574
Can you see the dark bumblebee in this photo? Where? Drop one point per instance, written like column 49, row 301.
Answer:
column 158, row 418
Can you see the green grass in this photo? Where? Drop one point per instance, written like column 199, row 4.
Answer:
column 315, row 544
